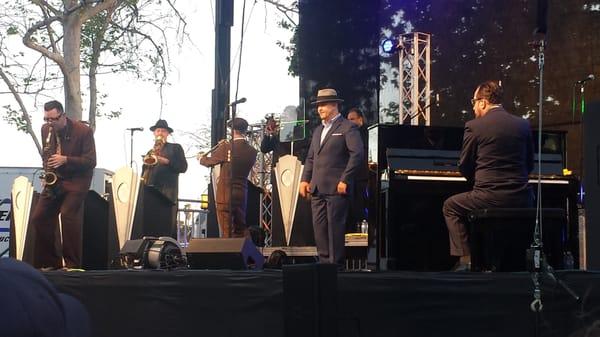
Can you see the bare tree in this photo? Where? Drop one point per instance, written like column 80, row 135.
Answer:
column 72, row 37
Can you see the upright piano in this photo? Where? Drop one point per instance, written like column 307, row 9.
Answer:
column 415, row 168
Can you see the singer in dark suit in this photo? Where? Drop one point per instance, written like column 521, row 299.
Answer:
column 72, row 159
column 496, row 157
column 164, row 176
column 233, row 185
column 334, row 158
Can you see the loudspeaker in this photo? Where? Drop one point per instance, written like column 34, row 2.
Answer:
column 223, row 253
column 591, row 183
column 309, row 300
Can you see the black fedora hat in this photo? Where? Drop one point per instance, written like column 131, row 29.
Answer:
column 239, row 124
column 161, row 123
column 327, row 95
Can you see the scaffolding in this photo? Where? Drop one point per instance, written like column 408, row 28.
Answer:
column 414, row 82
column 260, row 175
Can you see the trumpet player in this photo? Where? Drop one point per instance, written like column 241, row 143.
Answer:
column 232, row 188
column 162, row 166
column 69, row 157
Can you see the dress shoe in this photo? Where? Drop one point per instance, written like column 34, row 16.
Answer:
column 461, row 267
column 46, row 269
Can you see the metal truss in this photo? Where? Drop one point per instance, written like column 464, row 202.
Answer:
column 415, row 85
column 260, row 175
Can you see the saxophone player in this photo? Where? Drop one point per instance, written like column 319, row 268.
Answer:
column 71, row 157
column 163, row 165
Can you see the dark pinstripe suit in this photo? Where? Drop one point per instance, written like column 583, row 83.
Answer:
column 337, row 158
column 497, row 157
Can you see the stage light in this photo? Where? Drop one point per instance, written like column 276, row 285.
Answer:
column 152, row 253
column 204, row 201
column 388, row 45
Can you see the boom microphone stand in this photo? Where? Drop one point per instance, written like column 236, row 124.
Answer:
column 537, row 263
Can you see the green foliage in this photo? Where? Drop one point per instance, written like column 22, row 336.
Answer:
column 12, row 30
column 14, row 117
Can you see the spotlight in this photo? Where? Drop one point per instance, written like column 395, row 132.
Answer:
column 152, row 253
column 388, row 45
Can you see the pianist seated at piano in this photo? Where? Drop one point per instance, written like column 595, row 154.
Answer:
column 496, row 158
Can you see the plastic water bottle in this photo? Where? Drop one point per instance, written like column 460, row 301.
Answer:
column 568, row 261
column 364, row 227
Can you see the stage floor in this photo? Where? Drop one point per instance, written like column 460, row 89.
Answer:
column 251, row 303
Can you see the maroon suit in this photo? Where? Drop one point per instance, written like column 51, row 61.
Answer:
column 74, row 178
column 244, row 156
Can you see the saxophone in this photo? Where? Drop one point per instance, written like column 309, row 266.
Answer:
column 151, row 158
column 49, row 175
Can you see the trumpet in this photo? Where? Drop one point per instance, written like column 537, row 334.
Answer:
column 206, row 153
column 272, row 124
column 151, row 158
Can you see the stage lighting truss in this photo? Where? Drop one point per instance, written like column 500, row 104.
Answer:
column 415, row 76
column 261, row 177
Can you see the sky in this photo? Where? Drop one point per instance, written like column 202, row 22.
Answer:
column 264, row 81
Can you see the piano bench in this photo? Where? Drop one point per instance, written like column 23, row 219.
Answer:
column 499, row 237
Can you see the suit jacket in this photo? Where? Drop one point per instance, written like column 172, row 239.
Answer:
column 497, row 153
column 363, row 172
column 337, row 158
column 166, row 177
column 244, row 157
column 272, row 143
column 77, row 143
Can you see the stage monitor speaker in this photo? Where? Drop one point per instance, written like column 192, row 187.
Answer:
column 591, row 184
column 230, row 253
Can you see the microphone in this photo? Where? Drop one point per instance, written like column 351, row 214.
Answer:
column 239, row 101
column 589, row 77
column 135, row 129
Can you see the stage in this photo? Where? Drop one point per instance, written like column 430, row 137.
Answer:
column 253, row 303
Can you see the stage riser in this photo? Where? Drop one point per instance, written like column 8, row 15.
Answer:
column 242, row 303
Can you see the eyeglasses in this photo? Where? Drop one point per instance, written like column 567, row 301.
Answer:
column 52, row 119
column 474, row 100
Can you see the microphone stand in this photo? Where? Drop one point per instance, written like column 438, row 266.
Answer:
column 131, row 131
column 537, row 263
column 581, row 130
column 232, row 136
column 233, row 107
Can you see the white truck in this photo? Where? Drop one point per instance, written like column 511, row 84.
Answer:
column 100, row 182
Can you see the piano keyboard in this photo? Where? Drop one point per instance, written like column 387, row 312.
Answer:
column 435, row 175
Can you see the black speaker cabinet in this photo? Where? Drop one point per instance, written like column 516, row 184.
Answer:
column 309, row 300
column 233, row 253
column 96, row 252
column 591, row 183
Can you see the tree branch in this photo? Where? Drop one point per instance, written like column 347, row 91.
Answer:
column 178, row 14
column 28, row 41
column 91, row 11
column 45, row 4
column 24, row 113
column 93, row 71
column 284, row 10
column 49, row 27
